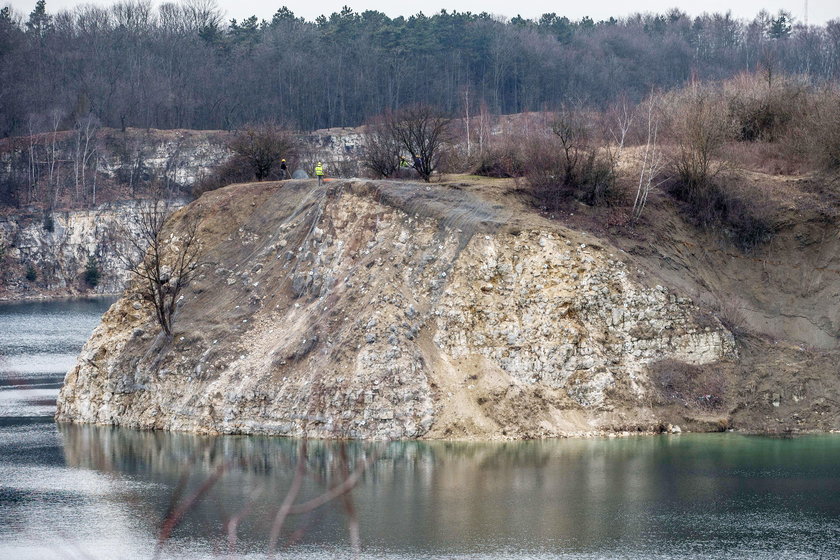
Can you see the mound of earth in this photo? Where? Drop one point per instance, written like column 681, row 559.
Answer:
column 398, row 310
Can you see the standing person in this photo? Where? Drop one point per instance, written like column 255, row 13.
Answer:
column 284, row 171
column 319, row 172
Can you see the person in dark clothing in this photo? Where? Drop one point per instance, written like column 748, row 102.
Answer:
column 284, row 171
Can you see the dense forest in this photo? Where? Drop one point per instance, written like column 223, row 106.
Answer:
column 182, row 66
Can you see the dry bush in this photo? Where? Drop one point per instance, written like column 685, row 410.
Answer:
column 690, row 385
column 699, row 130
column 544, row 170
column 235, row 170
column 774, row 158
column 453, row 159
column 821, row 131
column 698, row 127
column 569, row 162
column 503, row 157
column 746, row 220
column 741, row 216
column 762, row 110
column 729, row 313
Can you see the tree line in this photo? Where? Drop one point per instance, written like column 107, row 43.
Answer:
column 181, row 65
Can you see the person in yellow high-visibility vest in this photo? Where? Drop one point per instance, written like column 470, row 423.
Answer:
column 319, row 172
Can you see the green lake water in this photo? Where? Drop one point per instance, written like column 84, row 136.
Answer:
column 100, row 492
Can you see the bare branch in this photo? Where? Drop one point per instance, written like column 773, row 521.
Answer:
column 291, row 496
column 164, row 267
column 175, row 517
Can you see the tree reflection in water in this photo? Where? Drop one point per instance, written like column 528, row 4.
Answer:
column 269, row 479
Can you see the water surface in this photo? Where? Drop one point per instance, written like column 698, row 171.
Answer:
column 101, row 492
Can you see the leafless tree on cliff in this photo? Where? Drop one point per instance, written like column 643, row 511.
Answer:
column 422, row 131
column 381, row 150
column 263, row 146
column 84, row 153
column 163, row 259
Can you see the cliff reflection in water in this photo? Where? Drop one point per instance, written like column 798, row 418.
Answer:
column 647, row 496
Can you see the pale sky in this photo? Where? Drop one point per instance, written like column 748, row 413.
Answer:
column 819, row 11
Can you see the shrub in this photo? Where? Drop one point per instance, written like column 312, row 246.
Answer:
column 690, row 385
column 822, row 130
column 730, row 316
column 699, row 129
column 500, row 163
column 568, row 163
column 31, row 273
column 742, row 216
column 380, row 150
column 503, row 157
column 746, row 221
column 235, row 170
column 91, row 275
column 762, row 111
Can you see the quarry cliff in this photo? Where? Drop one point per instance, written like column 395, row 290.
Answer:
column 390, row 310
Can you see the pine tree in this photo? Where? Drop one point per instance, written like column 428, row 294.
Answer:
column 40, row 22
column 92, row 273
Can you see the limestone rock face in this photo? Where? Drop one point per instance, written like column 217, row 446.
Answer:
column 389, row 310
column 59, row 256
column 566, row 316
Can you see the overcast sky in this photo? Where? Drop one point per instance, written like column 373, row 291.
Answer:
column 819, row 11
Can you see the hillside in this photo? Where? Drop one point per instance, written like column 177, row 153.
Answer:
column 400, row 310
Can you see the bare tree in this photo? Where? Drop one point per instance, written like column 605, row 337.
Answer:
column 586, row 171
column 263, row 146
column 571, row 130
column 85, row 151
column 422, row 131
column 700, row 127
column 653, row 161
column 622, row 119
column 381, row 150
column 162, row 258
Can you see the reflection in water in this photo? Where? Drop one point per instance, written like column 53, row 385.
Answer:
column 667, row 497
